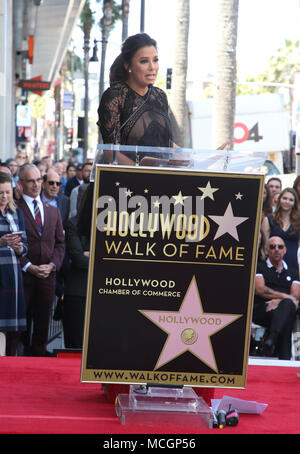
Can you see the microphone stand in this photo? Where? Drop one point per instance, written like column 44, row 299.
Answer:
column 115, row 160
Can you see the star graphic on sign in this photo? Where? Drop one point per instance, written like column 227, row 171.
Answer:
column 239, row 196
column 189, row 329
column 179, row 198
column 228, row 223
column 128, row 193
column 156, row 204
column 208, row 191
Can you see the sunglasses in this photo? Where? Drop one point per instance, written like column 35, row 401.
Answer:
column 52, row 183
column 274, row 246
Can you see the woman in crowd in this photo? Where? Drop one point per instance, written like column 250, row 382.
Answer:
column 267, row 202
column 266, row 210
column 296, row 185
column 13, row 244
column 285, row 223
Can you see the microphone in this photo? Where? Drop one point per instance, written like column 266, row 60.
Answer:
column 115, row 161
column 221, row 419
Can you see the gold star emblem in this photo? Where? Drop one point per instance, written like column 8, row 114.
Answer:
column 208, row 191
column 179, row 198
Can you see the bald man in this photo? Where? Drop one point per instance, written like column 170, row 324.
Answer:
column 277, row 294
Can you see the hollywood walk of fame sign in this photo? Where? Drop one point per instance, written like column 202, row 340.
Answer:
column 171, row 277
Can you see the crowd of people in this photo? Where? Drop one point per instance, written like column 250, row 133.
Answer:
column 43, row 259
column 45, row 205
column 277, row 283
column 44, row 256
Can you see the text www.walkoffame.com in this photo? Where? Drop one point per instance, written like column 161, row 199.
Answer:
column 164, row 377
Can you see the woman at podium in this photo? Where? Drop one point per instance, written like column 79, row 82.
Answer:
column 132, row 111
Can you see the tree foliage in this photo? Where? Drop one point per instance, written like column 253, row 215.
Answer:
column 281, row 69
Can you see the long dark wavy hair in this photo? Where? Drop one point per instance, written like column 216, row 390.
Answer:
column 267, row 203
column 295, row 213
column 118, row 71
column 296, row 182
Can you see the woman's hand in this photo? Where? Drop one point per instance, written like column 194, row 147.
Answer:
column 12, row 240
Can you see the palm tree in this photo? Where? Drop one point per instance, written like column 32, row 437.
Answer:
column 225, row 78
column 86, row 23
column 111, row 13
column 125, row 15
column 178, row 92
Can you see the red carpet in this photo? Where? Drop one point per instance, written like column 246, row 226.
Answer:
column 45, row 396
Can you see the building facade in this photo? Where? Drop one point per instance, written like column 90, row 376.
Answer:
column 34, row 36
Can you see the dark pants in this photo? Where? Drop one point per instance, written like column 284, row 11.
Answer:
column 39, row 296
column 279, row 322
column 12, row 342
column 73, row 320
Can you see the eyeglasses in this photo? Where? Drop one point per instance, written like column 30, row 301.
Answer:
column 52, row 183
column 274, row 246
column 38, row 180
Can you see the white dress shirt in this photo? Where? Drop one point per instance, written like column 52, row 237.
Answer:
column 29, row 200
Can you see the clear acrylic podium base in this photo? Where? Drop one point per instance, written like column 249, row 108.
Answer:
column 163, row 406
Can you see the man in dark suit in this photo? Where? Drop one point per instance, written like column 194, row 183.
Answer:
column 74, row 181
column 46, row 248
column 76, row 193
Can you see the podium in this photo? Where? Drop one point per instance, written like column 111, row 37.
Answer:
column 163, row 406
column 171, row 277
column 209, row 160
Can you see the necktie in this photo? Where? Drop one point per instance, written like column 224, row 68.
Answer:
column 37, row 216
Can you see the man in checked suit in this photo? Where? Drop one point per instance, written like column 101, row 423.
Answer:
column 46, row 248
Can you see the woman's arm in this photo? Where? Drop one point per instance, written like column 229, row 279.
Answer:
column 265, row 231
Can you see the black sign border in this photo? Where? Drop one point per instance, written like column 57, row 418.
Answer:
column 205, row 380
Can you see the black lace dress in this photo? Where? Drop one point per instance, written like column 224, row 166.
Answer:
column 149, row 127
